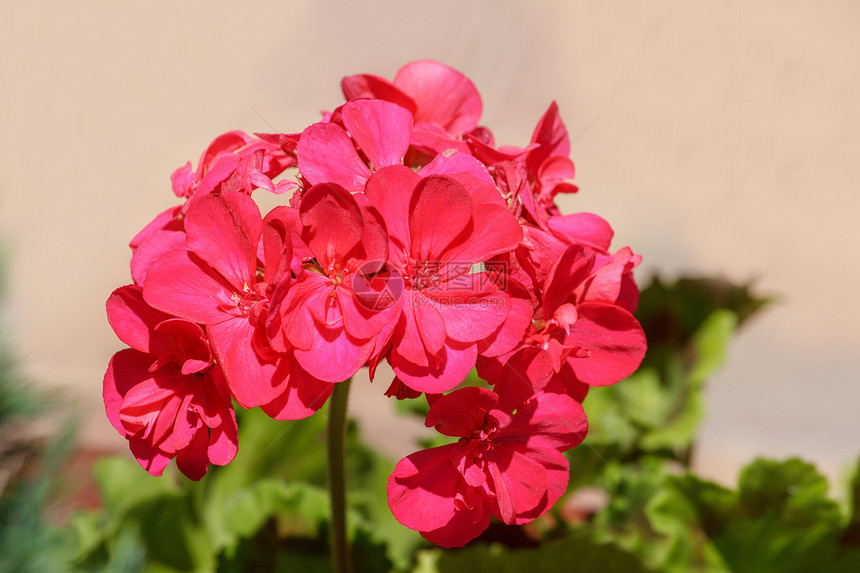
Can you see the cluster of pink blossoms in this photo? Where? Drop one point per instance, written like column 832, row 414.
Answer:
column 409, row 236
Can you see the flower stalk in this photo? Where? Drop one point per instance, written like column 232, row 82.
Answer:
column 335, row 445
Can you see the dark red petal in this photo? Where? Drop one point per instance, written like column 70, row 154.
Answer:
column 193, row 461
column 466, row 525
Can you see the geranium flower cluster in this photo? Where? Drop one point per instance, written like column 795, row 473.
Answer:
column 409, row 236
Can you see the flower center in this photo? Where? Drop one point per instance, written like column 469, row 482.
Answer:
column 419, row 275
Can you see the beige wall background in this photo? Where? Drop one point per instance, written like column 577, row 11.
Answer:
column 716, row 137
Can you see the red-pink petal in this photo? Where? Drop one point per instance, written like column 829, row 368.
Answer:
column 462, row 411
column 150, row 457
column 496, row 231
column 422, row 488
column 583, row 228
column 333, row 223
column 466, row 525
column 439, row 211
column 442, row 95
column 224, row 231
column 519, row 483
column 443, row 372
column 334, row 355
column 164, row 234
column 510, row 333
column 551, row 136
column 131, row 318
column 472, row 314
column 327, row 155
column 547, row 421
column 614, row 340
column 181, row 284
column 126, row 369
column 381, row 129
column 453, row 162
column 570, row 270
column 390, row 190
column 253, row 381
column 301, row 397
column 368, row 86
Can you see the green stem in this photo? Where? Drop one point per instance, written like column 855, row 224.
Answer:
column 339, row 547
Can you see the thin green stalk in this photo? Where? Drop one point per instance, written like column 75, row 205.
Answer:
column 339, row 547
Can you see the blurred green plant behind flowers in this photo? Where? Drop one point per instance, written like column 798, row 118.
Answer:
column 268, row 510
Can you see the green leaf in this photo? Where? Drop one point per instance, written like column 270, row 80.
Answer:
column 300, row 507
column 123, row 484
column 574, row 552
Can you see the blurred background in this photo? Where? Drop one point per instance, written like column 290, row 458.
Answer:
column 718, row 138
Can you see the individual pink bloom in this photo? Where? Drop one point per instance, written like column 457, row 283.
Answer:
column 220, row 282
column 445, row 103
column 327, row 152
column 234, row 161
column 439, row 228
column 583, row 332
column 165, row 395
column 329, row 323
column 508, row 463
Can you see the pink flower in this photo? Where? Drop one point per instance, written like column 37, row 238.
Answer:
column 220, row 282
column 439, row 228
column 331, row 327
column 583, row 334
column 164, row 394
column 508, row 463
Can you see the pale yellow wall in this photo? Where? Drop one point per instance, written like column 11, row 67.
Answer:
column 727, row 142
